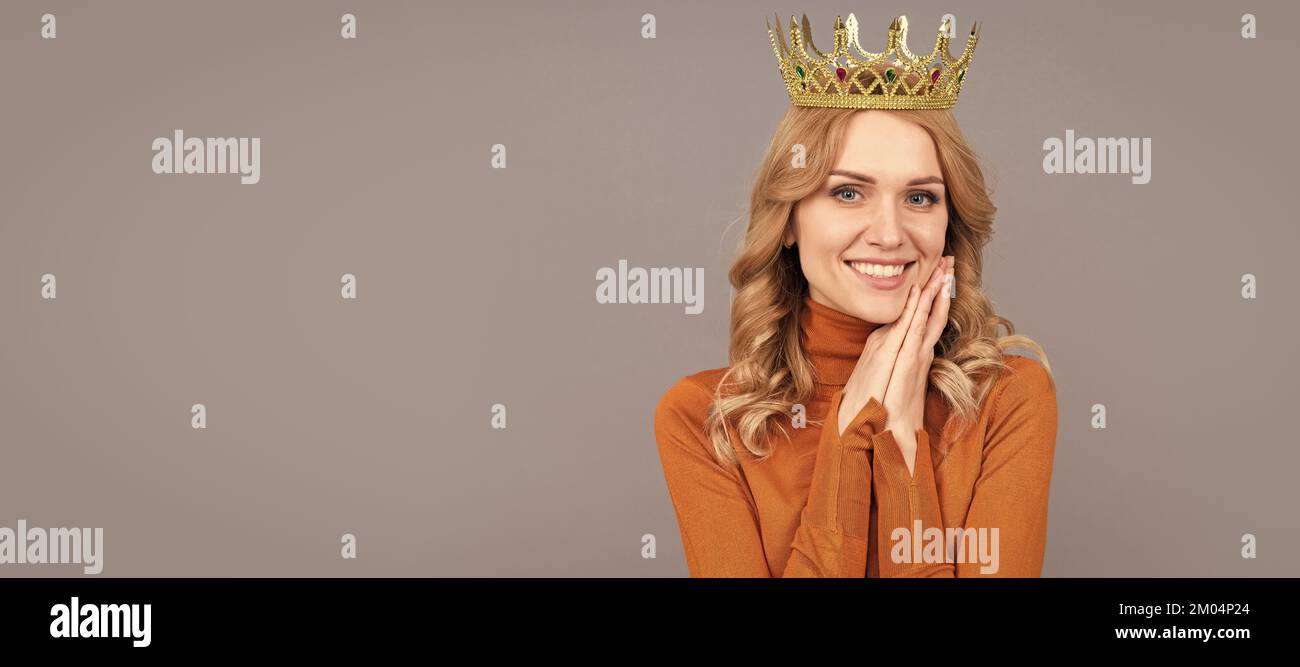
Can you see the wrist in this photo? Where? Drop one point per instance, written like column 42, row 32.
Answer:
column 904, row 434
column 904, row 437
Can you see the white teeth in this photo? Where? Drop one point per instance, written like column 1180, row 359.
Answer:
column 878, row 270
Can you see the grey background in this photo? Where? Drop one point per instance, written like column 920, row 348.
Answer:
column 477, row 285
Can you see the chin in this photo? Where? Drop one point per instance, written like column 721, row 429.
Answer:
column 875, row 309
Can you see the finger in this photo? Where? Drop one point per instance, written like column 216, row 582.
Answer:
column 943, row 301
column 915, row 332
column 907, row 360
column 886, row 354
column 898, row 328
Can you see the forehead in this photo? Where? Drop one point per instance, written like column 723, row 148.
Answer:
column 887, row 147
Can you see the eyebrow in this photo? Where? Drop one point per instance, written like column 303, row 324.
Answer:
column 867, row 179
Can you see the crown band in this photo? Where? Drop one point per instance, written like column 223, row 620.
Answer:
column 865, row 80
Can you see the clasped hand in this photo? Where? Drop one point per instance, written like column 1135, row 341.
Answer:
column 895, row 362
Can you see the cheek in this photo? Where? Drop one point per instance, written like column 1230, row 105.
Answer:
column 820, row 238
column 933, row 237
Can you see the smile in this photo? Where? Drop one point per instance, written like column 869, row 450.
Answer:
column 881, row 276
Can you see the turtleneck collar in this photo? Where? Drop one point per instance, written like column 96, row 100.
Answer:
column 833, row 341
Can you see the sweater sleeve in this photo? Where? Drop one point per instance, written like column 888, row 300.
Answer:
column 716, row 512
column 1009, row 504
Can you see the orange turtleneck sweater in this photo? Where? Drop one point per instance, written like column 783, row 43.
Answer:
column 826, row 505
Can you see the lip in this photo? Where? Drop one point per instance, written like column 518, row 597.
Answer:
column 873, row 260
column 885, row 284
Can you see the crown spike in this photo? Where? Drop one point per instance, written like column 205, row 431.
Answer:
column 940, row 45
column 971, row 41
column 808, row 40
column 777, row 39
column 902, row 42
column 851, row 27
column 778, row 47
column 841, row 43
column 797, row 47
column 897, row 33
column 815, row 80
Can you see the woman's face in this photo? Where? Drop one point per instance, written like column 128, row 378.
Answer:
column 883, row 206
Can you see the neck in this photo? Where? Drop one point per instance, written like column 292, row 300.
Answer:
column 833, row 341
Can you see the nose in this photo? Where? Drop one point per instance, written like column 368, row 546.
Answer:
column 882, row 227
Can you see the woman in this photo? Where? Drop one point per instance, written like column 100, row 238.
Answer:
column 871, row 422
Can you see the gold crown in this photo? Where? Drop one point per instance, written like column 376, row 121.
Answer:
column 843, row 79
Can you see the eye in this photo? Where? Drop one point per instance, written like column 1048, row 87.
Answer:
column 845, row 189
column 922, row 198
